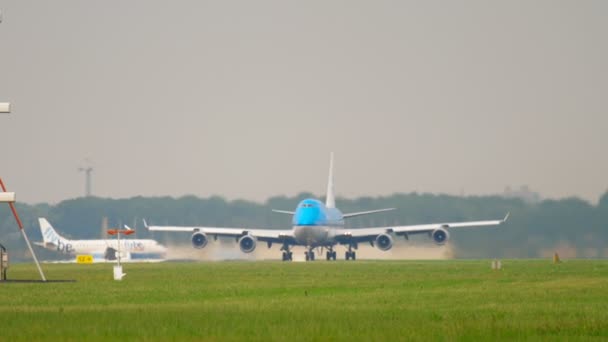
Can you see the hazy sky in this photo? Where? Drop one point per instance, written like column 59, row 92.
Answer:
column 245, row 99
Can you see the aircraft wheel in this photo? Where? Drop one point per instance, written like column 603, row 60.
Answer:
column 354, row 256
column 312, row 256
column 347, row 255
column 333, row 255
column 307, row 256
column 290, row 256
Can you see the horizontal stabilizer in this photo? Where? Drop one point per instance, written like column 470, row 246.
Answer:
column 366, row 212
column 284, row 212
column 45, row 244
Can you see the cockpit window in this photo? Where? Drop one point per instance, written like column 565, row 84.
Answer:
column 307, row 205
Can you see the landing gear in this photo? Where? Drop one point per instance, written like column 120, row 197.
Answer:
column 287, row 254
column 330, row 255
column 110, row 254
column 310, row 255
column 350, row 254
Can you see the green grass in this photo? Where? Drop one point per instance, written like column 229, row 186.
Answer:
column 326, row 301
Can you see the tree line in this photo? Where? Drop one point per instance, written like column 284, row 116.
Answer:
column 571, row 226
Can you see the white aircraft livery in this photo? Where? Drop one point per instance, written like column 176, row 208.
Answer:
column 317, row 224
column 130, row 249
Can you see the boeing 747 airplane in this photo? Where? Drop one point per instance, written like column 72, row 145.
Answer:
column 317, row 224
column 130, row 249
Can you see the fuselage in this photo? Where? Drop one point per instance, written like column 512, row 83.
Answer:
column 314, row 224
column 95, row 247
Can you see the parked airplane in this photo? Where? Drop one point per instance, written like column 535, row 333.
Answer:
column 130, row 249
column 316, row 224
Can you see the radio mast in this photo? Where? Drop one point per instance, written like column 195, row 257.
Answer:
column 87, row 178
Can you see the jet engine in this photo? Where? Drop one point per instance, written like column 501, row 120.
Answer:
column 440, row 236
column 384, row 242
column 247, row 243
column 199, row 240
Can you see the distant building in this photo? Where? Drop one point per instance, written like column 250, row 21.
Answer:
column 524, row 193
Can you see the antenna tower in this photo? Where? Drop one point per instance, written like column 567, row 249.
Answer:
column 87, row 173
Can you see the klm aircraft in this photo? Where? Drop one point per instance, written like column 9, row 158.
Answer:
column 317, row 224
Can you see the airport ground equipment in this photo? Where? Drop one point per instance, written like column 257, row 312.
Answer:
column 3, row 262
column 11, row 202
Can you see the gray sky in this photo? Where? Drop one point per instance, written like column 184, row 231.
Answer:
column 245, row 99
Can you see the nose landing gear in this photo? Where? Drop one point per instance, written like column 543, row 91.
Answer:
column 310, row 255
column 330, row 255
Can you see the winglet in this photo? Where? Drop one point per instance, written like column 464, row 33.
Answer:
column 127, row 227
column 145, row 224
column 506, row 217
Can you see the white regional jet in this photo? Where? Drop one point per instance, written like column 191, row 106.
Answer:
column 316, row 224
column 130, row 249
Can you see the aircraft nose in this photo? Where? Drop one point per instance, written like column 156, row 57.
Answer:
column 307, row 216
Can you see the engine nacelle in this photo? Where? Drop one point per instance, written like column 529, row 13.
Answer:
column 440, row 236
column 247, row 243
column 199, row 240
column 384, row 242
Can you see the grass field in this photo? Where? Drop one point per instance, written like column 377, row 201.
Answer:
column 362, row 300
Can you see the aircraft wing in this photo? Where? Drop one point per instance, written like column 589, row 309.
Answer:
column 268, row 235
column 349, row 215
column 362, row 234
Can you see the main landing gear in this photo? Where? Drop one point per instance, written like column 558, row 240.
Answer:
column 350, row 254
column 330, row 255
column 287, row 254
column 310, row 254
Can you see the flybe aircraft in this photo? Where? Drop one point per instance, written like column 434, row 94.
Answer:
column 130, row 249
column 317, row 224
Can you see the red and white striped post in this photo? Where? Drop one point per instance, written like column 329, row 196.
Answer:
column 9, row 197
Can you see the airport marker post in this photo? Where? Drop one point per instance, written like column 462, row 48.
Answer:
column 118, row 275
column 9, row 197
